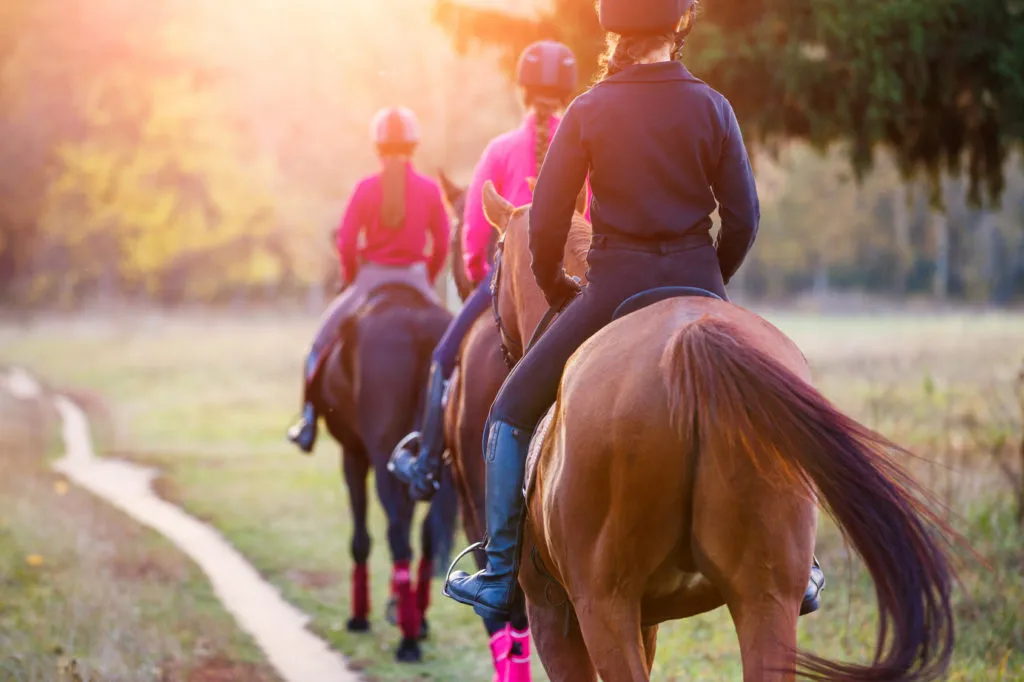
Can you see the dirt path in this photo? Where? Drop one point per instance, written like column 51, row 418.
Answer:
column 278, row 628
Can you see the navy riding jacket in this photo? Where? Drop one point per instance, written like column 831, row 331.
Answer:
column 662, row 149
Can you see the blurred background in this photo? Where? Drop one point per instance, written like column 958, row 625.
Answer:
column 202, row 152
column 170, row 177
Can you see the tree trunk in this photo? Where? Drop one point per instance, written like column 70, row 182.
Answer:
column 904, row 247
column 940, row 234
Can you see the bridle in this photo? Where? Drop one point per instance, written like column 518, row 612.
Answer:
column 511, row 349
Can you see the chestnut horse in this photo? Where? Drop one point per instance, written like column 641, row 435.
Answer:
column 479, row 374
column 680, row 470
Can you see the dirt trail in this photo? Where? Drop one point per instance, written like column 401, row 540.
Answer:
column 278, row 628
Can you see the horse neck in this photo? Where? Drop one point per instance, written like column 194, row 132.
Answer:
column 530, row 306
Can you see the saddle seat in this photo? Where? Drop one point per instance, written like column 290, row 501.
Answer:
column 631, row 305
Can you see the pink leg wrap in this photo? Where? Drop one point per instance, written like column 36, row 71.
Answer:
column 360, row 592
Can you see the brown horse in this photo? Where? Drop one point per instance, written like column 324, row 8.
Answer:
column 479, row 374
column 680, row 471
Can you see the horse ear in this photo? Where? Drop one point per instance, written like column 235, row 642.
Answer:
column 497, row 208
column 581, row 201
column 452, row 191
column 532, row 184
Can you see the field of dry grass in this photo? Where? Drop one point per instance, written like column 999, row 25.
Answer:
column 207, row 398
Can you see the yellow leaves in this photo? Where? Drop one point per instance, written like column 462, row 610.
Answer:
column 34, row 560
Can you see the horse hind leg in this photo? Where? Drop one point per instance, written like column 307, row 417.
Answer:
column 356, row 469
column 758, row 554
column 436, row 536
column 399, row 509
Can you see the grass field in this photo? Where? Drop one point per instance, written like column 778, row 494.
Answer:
column 88, row 595
column 207, row 399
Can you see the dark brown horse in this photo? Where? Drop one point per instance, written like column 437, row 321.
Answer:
column 680, row 471
column 370, row 394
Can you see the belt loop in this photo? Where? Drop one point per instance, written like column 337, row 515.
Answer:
column 662, row 248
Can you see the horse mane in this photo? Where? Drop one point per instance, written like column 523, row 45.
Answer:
column 577, row 246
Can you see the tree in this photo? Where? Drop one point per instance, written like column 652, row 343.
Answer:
column 938, row 82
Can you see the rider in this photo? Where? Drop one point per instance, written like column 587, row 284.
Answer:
column 394, row 211
column 547, row 75
column 661, row 148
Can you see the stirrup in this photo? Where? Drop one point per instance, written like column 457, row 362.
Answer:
column 475, row 547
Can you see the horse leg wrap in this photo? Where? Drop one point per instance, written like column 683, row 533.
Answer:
column 408, row 613
column 423, row 578
column 360, row 592
column 501, row 648
column 519, row 656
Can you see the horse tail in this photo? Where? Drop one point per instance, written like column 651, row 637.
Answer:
column 739, row 398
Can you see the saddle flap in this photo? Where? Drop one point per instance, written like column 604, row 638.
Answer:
column 536, row 446
column 652, row 296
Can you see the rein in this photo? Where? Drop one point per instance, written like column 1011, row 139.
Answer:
column 508, row 342
column 511, row 349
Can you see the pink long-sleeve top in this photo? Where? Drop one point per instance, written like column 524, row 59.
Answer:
column 425, row 215
column 508, row 161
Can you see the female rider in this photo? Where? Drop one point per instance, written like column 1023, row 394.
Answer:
column 661, row 149
column 397, row 211
column 547, row 75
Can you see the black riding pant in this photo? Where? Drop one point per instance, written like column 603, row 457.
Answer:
column 618, row 270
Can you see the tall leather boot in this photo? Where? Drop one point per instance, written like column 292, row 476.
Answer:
column 491, row 591
column 421, row 471
column 303, row 433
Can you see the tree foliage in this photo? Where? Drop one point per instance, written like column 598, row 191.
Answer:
column 940, row 83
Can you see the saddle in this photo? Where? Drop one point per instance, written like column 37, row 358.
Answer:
column 629, row 306
column 652, row 296
column 388, row 295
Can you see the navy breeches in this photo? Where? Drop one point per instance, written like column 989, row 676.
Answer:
column 615, row 274
column 447, row 352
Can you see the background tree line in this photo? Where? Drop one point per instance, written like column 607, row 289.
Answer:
column 196, row 151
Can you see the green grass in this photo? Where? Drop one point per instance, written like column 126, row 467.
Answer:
column 207, row 398
column 84, row 588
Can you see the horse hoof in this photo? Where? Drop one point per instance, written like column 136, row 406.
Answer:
column 409, row 651
column 358, row 625
column 424, row 629
column 391, row 611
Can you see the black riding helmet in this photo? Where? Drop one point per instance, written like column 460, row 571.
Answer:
column 548, row 68
column 641, row 17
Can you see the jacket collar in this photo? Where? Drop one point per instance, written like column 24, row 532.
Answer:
column 658, row 72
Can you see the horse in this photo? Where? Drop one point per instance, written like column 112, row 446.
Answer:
column 480, row 371
column 681, row 469
column 369, row 394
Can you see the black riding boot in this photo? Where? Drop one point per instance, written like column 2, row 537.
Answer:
column 303, row 433
column 421, row 472
column 491, row 591
column 812, row 597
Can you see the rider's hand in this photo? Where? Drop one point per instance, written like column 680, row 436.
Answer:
column 563, row 290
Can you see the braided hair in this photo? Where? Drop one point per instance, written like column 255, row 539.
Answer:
column 544, row 106
column 624, row 51
column 392, row 210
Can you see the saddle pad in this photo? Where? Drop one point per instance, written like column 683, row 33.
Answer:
column 536, row 445
column 652, row 296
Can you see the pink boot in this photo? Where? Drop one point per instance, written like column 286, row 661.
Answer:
column 519, row 656
column 501, row 647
